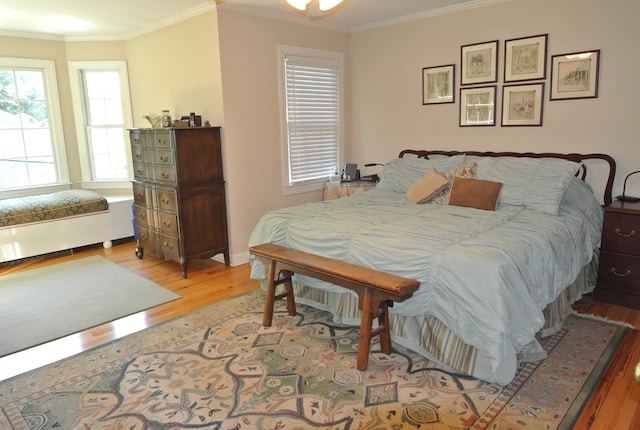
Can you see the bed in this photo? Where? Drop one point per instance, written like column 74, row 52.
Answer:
column 493, row 280
column 46, row 223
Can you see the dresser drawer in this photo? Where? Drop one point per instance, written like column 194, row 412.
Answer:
column 168, row 223
column 139, row 171
column 144, row 216
column 141, row 195
column 170, row 248
column 619, row 272
column 163, row 140
column 166, row 174
column 164, row 157
column 621, row 233
column 167, row 200
column 147, row 238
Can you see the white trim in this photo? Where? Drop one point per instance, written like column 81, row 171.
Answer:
column 77, row 95
column 53, row 105
column 282, row 52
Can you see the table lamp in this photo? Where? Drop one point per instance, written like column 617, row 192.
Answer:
column 624, row 197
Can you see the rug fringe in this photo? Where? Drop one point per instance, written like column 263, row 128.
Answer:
column 599, row 318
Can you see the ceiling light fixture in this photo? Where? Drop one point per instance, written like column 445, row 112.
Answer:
column 323, row 5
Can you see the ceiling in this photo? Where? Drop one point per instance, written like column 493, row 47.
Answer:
column 121, row 19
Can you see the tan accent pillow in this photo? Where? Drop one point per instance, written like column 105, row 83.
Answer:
column 426, row 187
column 465, row 170
column 475, row 193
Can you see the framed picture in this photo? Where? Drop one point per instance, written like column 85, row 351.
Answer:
column 479, row 63
column 437, row 84
column 522, row 104
column 478, row 106
column 525, row 59
column 575, row 75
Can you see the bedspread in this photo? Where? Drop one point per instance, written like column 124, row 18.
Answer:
column 487, row 275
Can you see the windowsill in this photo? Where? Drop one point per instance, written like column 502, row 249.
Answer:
column 34, row 191
column 106, row 185
column 303, row 188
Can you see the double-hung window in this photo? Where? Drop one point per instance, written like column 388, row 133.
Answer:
column 103, row 113
column 312, row 116
column 32, row 152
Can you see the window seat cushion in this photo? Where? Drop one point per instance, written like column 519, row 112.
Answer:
column 44, row 207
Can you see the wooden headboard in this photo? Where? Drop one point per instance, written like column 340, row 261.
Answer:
column 578, row 158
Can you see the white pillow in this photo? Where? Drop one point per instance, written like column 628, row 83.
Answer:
column 535, row 183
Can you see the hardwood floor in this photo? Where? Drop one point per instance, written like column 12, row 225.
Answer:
column 615, row 404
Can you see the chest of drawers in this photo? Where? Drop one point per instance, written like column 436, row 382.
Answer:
column 619, row 270
column 179, row 194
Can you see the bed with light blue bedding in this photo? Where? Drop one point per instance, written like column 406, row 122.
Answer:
column 487, row 278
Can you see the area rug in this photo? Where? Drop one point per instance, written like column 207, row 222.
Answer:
column 219, row 368
column 47, row 303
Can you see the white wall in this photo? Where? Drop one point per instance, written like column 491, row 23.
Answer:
column 251, row 132
column 386, row 76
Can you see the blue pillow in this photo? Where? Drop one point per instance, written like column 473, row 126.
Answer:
column 400, row 173
column 535, row 183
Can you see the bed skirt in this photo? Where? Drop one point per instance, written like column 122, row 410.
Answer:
column 428, row 336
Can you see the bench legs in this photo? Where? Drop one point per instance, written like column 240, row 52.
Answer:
column 371, row 305
column 271, row 296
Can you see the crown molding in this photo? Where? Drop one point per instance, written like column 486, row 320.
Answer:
column 473, row 4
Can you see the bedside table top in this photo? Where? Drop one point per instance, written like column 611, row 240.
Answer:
column 351, row 184
column 628, row 207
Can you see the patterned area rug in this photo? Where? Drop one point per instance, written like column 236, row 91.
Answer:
column 218, row 368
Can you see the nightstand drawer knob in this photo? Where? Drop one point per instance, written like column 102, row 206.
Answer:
column 632, row 233
column 622, row 275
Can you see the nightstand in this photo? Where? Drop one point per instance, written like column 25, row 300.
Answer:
column 619, row 272
column 336, row 189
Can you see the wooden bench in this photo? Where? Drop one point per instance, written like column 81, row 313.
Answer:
column 376, row 290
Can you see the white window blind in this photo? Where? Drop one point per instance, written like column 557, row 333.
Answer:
column 312, row 87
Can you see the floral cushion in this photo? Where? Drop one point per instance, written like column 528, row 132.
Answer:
column 45, row 207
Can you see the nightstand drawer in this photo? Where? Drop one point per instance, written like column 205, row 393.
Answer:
column 621, row 233
column 619, row 272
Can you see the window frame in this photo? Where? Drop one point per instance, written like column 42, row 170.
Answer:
column 48, row 68
column 76, row 69
column 318, row 55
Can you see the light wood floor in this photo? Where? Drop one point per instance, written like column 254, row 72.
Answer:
column 615, row 404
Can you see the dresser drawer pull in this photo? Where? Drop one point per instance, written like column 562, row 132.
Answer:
column 164, row 158
column 166, row 223
column 622, row 275
column 165, row 200
column 168, row 245
column 632, row 233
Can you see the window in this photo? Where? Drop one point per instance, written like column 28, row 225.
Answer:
column 312, row 94
column 103, row 114
column 31, row 143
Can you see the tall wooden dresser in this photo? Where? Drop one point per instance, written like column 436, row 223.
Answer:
column 179, row 194
column 619, row 271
